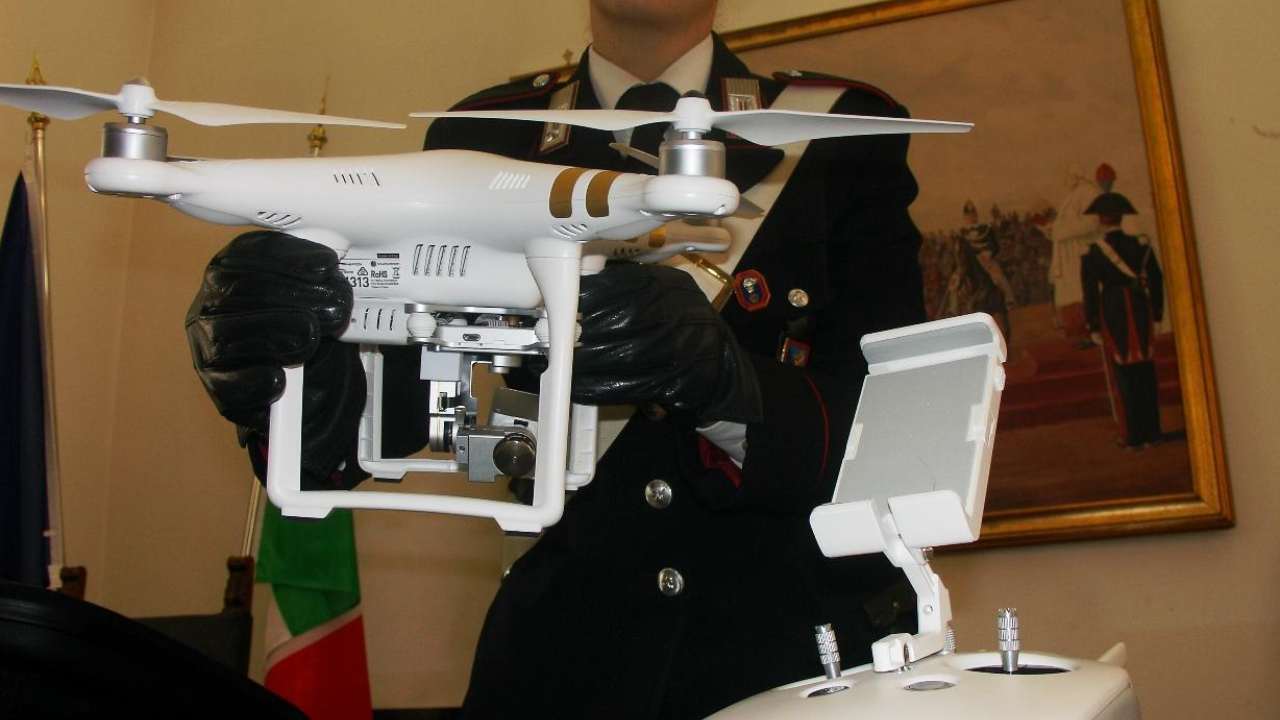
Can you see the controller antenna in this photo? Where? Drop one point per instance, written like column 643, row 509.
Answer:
column 828, row 650
column 1007, row 635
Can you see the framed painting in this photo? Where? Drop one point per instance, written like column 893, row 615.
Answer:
column 1064, row 215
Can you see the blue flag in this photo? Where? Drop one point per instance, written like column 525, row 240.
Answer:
column 24, row 509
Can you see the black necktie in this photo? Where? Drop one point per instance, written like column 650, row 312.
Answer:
column 657, row 97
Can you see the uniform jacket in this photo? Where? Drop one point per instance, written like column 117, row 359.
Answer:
column 1123, row 305
column 579, row 627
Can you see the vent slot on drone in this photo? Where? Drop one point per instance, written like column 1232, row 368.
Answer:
column 507, row 180
column 278, row 219
column 569, row 231
column 440, row 260
column 357, row 178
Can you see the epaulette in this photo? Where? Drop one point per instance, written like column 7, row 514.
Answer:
column 522, row 89
column 805, row 77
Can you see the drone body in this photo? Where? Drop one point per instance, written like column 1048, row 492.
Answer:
column 457, row 222
column 473, row 257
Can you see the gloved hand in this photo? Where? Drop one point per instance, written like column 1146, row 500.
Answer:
column 649, row 335
column 268, row 300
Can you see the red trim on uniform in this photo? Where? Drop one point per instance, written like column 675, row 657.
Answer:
column 826, row 425
column 1118, row 411
column 713, row 458
column 840, row 82
column 505, row 98
column 1135, row 354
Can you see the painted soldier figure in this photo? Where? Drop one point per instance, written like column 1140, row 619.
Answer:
column 1123, row 300
column 977, row 282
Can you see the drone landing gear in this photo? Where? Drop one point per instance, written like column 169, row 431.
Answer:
column 555, row 266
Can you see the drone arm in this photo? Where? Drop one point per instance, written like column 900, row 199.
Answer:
column 653, row 197
column 667, row 241
column 139, row 178
column 690, row 194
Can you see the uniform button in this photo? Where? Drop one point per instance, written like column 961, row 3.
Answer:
column 670, row 582
column 798, row 298
column 658, row 494
column 541, row 80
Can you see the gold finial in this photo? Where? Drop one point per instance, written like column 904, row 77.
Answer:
column 317, row 138
column 568, row 57
column 36, row 77
column 36, row 120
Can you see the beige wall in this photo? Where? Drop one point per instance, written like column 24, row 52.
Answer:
column 156, row 488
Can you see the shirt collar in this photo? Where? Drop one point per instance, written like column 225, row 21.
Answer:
column 690, row 71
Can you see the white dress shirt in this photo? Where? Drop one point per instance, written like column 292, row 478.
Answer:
column 689, row 72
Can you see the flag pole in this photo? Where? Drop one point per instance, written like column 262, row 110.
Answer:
column 316, row 139
column 38, row 201
column 251, row 522
column 317, row 661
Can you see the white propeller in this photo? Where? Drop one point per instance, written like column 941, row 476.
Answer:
column 778, row 127
column 137, row 99
column 763, row 127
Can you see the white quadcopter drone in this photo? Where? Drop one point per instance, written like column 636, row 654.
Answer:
column 474, row 257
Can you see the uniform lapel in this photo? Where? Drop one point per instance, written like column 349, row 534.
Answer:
column 586, row 147
column 745, row 163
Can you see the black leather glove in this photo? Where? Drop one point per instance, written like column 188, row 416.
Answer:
column 268, row 300
column 649, row 335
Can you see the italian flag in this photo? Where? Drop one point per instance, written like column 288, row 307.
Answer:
column 314, row 633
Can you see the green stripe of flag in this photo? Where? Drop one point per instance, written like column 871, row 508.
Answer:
column 311, row 565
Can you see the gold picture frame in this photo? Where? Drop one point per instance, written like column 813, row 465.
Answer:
column 1200, row 501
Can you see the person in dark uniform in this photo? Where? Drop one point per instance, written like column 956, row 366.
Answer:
column 977, row 282
column 685, row 576
column 1123, row 300
column 679, row 582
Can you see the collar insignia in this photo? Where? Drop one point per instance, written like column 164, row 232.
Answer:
column 556, row 135
column 741, row 94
